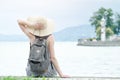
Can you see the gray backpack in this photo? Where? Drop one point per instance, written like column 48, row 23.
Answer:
column 39, row 58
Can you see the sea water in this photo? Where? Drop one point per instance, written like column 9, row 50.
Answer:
column 73, row 60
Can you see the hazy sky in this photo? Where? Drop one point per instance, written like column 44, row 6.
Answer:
column 65, row 13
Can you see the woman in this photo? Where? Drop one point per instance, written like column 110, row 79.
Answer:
column 40, row 26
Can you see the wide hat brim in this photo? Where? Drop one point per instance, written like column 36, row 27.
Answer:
column 49, row 26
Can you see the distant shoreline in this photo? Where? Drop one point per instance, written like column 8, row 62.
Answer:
column 98, row 43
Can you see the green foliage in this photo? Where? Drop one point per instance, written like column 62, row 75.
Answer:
column 117, row 24
column 97, row 16
column 15, row 78
column 27, row 78
column 109, row 32
column 43, row 78
column 9, row 78
column 108, row 15
column 98, row 33
column 91, row 39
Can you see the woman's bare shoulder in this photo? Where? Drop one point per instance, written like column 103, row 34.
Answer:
column 51, row 39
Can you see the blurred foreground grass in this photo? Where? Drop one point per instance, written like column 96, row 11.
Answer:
column 57, row 78
column 21, row 78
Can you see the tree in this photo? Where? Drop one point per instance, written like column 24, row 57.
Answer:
column 98, row 33
column 109, row 33
column 98, row 15
column 117, row 23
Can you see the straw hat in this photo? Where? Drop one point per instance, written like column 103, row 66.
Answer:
column 47, row 23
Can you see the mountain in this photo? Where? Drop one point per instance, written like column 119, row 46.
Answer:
column 75, row 33
column 67, row 34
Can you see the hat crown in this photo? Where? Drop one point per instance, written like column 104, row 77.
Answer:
column 49, row 24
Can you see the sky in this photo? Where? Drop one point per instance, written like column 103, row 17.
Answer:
column 65, row 13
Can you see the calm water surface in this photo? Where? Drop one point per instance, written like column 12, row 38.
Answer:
column 73, row 60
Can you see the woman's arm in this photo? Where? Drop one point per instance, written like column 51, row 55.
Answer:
column 22, row 24
column 52, row 56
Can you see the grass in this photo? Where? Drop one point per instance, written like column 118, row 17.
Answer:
column 21, row 78
column 57, row 78
column 15, row 78
column 25, row 78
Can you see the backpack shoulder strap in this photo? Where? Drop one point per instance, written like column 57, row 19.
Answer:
column 41, row 37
